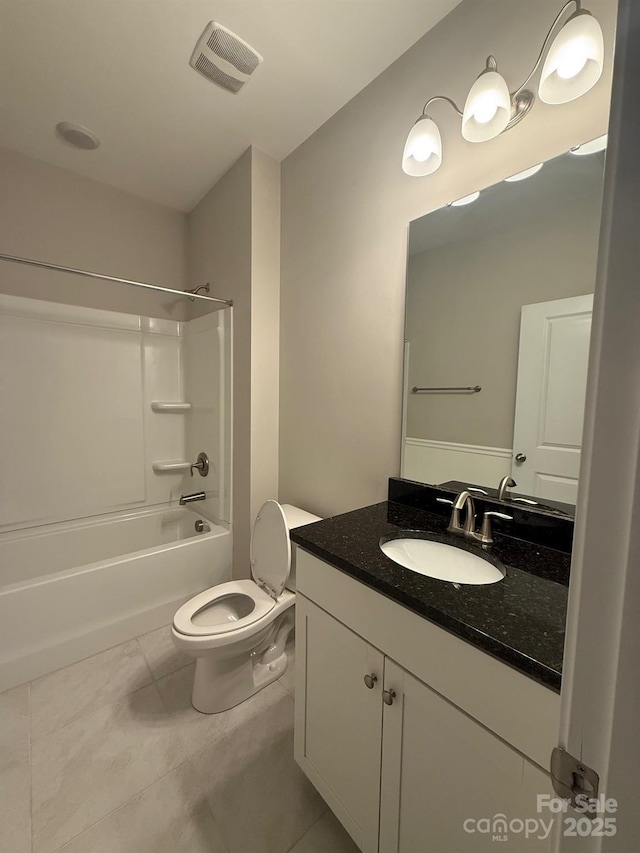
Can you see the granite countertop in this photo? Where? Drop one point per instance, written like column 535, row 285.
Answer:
column 519, row 620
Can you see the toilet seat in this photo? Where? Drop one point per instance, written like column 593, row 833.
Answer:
column 221, row 609
column 270, row 550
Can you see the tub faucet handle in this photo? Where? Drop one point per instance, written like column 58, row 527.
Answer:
column 201, row 465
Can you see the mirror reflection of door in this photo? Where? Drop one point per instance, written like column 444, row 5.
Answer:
column 552, row 381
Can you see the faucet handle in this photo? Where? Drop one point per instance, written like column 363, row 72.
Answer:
column 202, row 465
column 444, row 501
column 486, row 534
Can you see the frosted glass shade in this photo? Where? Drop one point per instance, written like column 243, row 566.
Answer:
column 592, row 147
column 487, row 110
column 527, row 173
column 422, row 153
column 574, row 62
column 467, row 199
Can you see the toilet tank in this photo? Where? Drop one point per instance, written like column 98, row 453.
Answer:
column 296, row 517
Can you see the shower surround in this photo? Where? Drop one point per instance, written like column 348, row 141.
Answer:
column 93, row 549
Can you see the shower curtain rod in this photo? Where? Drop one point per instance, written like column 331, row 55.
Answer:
column 18, row 260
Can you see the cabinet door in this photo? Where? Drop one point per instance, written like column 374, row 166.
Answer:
column 443, row 773
column 338, row 727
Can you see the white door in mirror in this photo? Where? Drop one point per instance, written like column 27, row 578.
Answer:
column 442, row 562
column 550, row 397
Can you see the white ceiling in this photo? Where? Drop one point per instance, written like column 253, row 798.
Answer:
column 121, row 68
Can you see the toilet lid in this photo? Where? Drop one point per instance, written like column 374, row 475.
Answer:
column 271, row 548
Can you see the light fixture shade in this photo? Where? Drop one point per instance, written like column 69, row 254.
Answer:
column 592, row 147
column 487, row 110
column 422, row 153
column 527, row 173
column 466, row 199
column 574, row 62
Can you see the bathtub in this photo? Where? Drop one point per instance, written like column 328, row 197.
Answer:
column 73, row 589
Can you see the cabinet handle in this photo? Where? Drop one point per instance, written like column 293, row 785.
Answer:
column 388, row 696
column 370, row 680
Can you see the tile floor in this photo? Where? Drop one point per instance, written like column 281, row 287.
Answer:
column 108, row 756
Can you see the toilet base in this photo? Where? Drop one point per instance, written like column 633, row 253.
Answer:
column 221, row 684
column 217, row 687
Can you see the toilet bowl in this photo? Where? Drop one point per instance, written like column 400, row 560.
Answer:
column 238, row 630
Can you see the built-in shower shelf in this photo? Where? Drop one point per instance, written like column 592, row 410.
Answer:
column 171, row 466
column 170, row 408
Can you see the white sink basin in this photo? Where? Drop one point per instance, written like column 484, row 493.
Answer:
column 440, row 561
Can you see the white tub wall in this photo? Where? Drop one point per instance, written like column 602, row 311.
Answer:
column 165, row 434
column 71, row 435
column 78, row 434
column 207, row 365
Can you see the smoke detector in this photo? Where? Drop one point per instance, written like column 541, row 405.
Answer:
column 78, row 136
column 224, row 58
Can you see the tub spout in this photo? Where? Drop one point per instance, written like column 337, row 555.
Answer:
column 196, row 496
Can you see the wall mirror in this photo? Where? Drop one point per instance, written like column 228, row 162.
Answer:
column 498, row 319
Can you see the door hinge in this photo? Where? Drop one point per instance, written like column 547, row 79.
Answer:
column 572, row 780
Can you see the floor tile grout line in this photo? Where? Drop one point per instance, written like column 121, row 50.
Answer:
column 80, row 660
column 121, row 806
column 144, row 658
column 97, row 708
column 111, row 704
column 170, row 719
column 173, row 671
column 196, row 775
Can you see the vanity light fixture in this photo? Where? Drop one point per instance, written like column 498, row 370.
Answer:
column 572, row 59
column 527, row 173
column 592, row 147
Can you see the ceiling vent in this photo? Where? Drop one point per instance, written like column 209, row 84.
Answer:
column 224, row 58
column 78, row 136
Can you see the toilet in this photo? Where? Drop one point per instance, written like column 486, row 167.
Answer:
column 237, row 631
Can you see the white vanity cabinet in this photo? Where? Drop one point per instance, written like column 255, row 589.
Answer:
column 339, row 720
column 402, row 764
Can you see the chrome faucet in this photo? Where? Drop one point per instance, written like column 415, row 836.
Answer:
column 468, row 529
column 505, row 483
column 464, row 500
column 196, row 496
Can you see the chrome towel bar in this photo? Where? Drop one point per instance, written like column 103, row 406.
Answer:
column 467, row 389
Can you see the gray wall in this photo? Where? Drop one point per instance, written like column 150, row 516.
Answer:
column 345, row 209
column 233, row 244
column 51, row 214
column 463, row 316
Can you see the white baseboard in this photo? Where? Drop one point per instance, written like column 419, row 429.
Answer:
column 438, row 461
